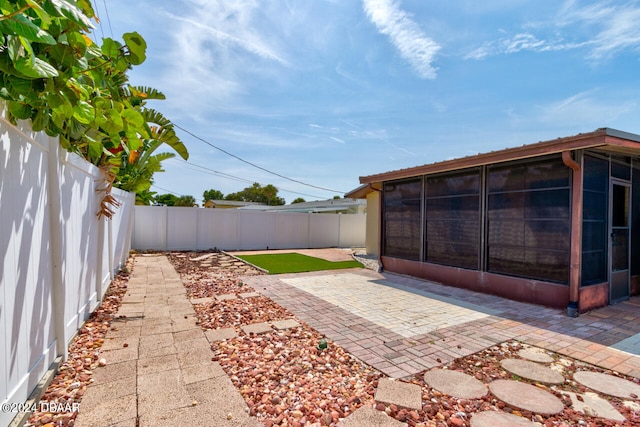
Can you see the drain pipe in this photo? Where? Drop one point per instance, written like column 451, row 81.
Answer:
column 576, row 233
column 379, row 243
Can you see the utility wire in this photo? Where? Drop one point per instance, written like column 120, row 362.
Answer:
column 108, row 19
column 236, row 178
column 253, row 164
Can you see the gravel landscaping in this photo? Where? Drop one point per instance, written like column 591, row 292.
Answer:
column 297, row 377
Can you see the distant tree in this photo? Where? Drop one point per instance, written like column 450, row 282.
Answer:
column 298, row 200
column 212, row 195
column 166, row 199
column 336, row 197
column 185, row 201
column 257, row 193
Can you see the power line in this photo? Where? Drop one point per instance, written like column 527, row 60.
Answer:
column 237, row 178
column 253, row 164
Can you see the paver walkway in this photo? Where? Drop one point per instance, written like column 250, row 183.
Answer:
column 158, row 362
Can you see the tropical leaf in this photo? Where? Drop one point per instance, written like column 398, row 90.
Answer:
column 22, row 26
column 137, row 47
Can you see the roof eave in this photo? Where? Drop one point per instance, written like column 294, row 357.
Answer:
column 597, row 138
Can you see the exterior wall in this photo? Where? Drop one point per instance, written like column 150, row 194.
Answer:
column 184, row 228
column 57, row 257
column 373, row 223
column 533, row 291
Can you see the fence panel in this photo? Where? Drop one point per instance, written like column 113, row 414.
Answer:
column 28, row 342
column 57, row 257
column 179, row 228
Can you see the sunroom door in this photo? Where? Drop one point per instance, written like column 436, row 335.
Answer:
column 619, row 214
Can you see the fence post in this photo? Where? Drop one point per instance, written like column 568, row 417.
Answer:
column 55, row 209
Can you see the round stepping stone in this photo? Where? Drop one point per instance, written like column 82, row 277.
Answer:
column 532, row 371
column 535, row 355
column 527, row 397
column 498, row 419
column 608, row 384
column 456, row 384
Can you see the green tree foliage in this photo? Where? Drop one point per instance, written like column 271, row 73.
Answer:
column 166, row 199
column 53, row 74
column 298, row 200
column 212, row 195
column 185, row 201
column 257, row 193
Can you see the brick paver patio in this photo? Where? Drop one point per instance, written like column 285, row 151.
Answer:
column 401, row 325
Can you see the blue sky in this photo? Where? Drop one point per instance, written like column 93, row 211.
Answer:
column 325, row 91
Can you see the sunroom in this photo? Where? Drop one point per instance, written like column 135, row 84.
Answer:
column 555, row 223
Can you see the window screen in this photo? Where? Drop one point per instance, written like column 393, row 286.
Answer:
column 635, row 219
column 402, row 219
column 594, row 220
column 528, row 220
column 452, row 211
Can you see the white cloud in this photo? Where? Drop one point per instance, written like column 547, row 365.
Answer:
column 586, row 109
column 600, row 28
column 412, row 43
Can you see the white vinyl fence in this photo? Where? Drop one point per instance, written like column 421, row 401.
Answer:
column 57, row 258
column 183, row 228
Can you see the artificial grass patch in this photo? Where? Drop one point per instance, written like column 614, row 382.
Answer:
column 296, row 263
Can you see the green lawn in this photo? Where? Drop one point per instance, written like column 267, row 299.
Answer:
column 295, row 263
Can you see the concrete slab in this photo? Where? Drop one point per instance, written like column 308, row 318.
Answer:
column 367, row 416
column 115, row 372
column 249, row 295
column 499, row 419
column 160, row 392
column 456, row 384
column 593, row 405
column 532, row 371
column 151, row 365
column 113, row 390
column 285, row 324
column 535, row 354
column 608, row 384
column 202, row 257
column 399, row 393
column 526, row 396
column 214, row 335
column 257, row 328
column 206, row 300
column 107, row 412
column 226, row 297
column 189, row 334
column 120, row 355
column 197, row 373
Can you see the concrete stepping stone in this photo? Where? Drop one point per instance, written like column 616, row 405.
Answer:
column 285, row 324
column 249, row 295
column 499, row 419
column 399, row 393
column 532, row 371
column 205, row 300
column 535, row 354
column 202, row 257
column 526, row 396
column 257, row 328
column 214, row 335
column 225, row 297
column 456, row 384
column 594, row 406
column 367, row 416
column 608, row 384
